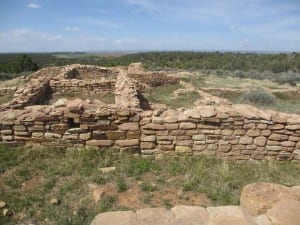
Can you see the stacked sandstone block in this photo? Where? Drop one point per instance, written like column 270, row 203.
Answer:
column 226, row 132
column 81, row 86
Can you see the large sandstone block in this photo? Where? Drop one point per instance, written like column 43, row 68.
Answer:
column 260, row 141
column 183, row 149
column 132, row 126
column 257, row 198
column 100, row 143
column 114, row 218
column 245, row 140
column 154, row 216
column 278, row 137
column 285, row 212
column 127, row 143
column 115, row 135
column 187, row 125
column 253, row 133
column 189, row 215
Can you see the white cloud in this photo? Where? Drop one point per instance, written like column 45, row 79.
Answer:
column 34, row 6
column 74, row 29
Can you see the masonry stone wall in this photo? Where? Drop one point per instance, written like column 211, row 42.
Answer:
column 232, row 132
column 209, row 130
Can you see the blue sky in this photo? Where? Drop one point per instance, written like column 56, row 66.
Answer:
column 110, row 25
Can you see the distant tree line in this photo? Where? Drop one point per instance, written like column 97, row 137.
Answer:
column 283, row 67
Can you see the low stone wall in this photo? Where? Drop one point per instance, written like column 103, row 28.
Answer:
column 81, row 86
column 154, row 79
column 7, row 91
column 233, row 133
column 89, row 72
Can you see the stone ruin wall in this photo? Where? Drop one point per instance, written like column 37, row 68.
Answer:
column 232, row 132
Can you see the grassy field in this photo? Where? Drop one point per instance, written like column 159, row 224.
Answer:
column 30, row 178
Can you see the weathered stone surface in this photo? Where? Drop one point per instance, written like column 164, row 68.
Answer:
column 154, row 216
column 75, row 105
column 115, row 218
column 100, row 143
column 147, row 145
column 150, row 138
column 189, row 215
column 115, row 135
column 285, row 212
column 226, row 215
column 257, row 198
column 187, row 125
column 127, row 143
column 260, row 141
column 199, row 137
column 278, row 137
column 129, row 126
column 246, row 140
column 253, row 133
column 151, row 126
column 85, row 136
column 293, row 127
column 183, row 149
column 288, row 144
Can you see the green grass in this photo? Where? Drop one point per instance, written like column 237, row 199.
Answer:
column 163, row 95
column 67, row 173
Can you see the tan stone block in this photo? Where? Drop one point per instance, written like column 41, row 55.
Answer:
column 85, row 136
column 164, row 142
column 199, row 147
column 276, row 127
column 260, row 141
column 266, row 133
column 212, row 147
column 225, row 148
column 191, row 132
column 278, row 137
column 249, row 126
column 261, row 126
column 151, row 138
column 53, row 135
column 177, row 132
column 162, row 132
column 273, row 148
column 246, row 140
column 227, row 132
column 293, row 127
column 147, row 145
column 166, row 147
column 253, row 133
column 184, row 142
column 127, row 143
column 133, row 134
column 183, row 149
column 165, row 138
column 100, row 143
column 132, row 126
column 6, row 132
column 199, row 137
column 7, row 138
column 152, row 126
column 288, row 144
column 187, row 125
column 172, row 126
column 20, row 128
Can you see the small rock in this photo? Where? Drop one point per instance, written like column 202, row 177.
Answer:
column 54, row 201
column 8, row 213
column 2, row 204
column 107, row 169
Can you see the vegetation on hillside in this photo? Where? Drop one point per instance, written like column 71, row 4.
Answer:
column 284, row 67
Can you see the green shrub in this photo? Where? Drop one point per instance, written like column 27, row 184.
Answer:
column 258, row 96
